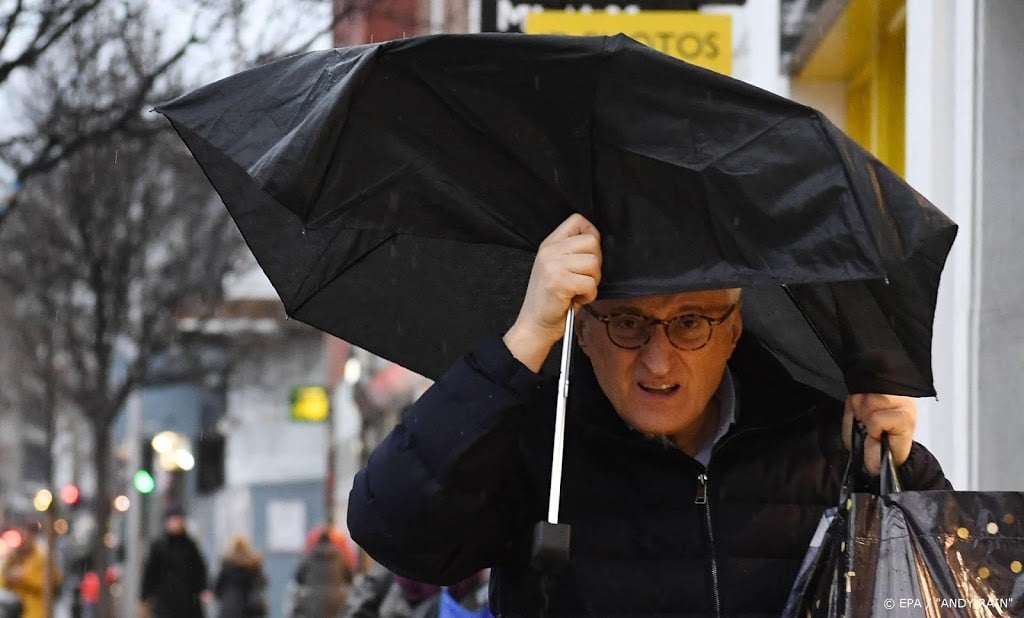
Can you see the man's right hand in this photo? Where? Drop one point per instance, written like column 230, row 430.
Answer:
column 565, row 274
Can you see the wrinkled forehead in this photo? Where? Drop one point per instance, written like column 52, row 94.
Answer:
column 710, row 302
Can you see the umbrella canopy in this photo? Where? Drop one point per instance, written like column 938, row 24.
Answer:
column 395, row 195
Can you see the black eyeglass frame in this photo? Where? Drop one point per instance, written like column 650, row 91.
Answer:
column 651, row 322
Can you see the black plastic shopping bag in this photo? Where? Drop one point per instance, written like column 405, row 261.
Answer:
column 914, row 553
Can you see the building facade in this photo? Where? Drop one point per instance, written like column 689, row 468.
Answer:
column 932, row 87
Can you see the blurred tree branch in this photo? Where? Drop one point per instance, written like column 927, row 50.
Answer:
column 41, row 24
column 35, row 33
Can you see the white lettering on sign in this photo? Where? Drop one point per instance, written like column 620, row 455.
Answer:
column 512, row 16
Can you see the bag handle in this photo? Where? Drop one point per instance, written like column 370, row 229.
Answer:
column 889, row 481
column 852, row 475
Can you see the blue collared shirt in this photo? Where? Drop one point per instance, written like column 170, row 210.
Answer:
column 726, row 395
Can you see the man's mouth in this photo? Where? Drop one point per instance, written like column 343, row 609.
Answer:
column 659, row 389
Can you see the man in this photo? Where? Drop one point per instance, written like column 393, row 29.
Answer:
column 174, row 581
column 695, row 468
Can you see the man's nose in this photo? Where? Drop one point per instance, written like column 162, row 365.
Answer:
column 656, row 354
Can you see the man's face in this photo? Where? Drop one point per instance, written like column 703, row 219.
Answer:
column 175, row 524
column 657, row 388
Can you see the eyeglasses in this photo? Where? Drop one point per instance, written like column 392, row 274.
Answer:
column 690, row 331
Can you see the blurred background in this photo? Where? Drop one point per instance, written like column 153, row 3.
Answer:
column 146, row 363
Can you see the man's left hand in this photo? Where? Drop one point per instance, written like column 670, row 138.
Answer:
column 889, row 414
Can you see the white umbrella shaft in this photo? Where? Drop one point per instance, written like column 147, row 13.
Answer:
column 563, row 396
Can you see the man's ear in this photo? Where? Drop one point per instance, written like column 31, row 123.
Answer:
column 737, row 326
column 581, row 328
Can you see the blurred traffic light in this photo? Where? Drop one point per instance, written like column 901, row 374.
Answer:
column 209, row 462
column 143, row 479
column 70, row 495
column 144, row 482
column 12, row 538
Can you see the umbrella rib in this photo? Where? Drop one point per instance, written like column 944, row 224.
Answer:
column 847, row 163
column 721, row 157
column 341, row 210
column 813, row 327
column 310, row 272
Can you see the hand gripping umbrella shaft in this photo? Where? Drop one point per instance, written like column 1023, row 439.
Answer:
column 550, row 538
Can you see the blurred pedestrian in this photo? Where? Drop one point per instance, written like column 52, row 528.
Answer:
column 24, row 573
column 321, row 581
column 378, row 593
column 339, row 539
column 241, row 585
column 174, row 583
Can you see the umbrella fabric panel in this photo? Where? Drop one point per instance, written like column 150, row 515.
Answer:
column 417, row 301
column 423, row 143
column 296, row 260
column 667, row 229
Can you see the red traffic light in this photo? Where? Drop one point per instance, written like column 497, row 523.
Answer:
column 12, row 538
column 69, row 494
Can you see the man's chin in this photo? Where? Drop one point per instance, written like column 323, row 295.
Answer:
column 654, row 430
column 656, row 426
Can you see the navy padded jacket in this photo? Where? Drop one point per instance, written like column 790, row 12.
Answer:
column 460, row 483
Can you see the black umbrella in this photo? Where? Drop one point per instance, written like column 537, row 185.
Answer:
column 395, row 195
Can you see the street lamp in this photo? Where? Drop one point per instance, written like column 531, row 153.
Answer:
column 165, row 441
column 184, row 459
column 353, row 370
column 42, row 500
column 174, row 451
column 122, row 503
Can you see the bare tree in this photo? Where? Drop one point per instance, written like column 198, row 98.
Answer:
column 104, row 254
column 208, row 36
column 116, row 231
column 120, row 235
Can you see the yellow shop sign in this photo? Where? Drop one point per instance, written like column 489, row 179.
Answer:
column 701, row 38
